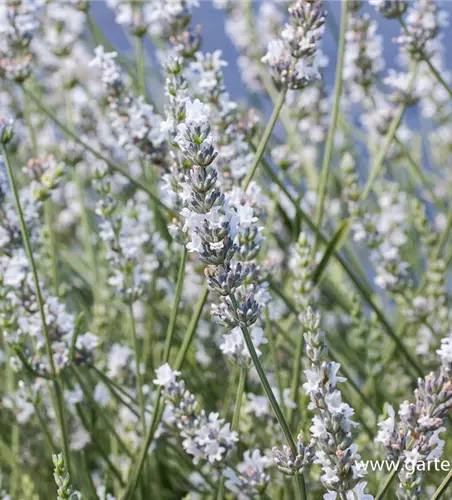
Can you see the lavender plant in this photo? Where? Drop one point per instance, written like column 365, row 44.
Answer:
column 172, row 254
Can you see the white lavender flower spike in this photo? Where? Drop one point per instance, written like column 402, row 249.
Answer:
column 191, row 194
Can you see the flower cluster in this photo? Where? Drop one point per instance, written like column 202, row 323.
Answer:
column 302, row 269
column 251, row 477
column 390, row 8
column 127, row 242
column 46, row 175
column 423, row 23
column 63, row 480
column 137, row 126
column 332, row 427
column 415, row 436
column 204, row 436
column 157, row 17
column 214, row 225
column 18, row 23
column 293, row 58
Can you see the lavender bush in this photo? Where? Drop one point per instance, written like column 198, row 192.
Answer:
column 203, row 300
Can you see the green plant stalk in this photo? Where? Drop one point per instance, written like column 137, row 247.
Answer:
column 443, row 487
column 97, row 444
column 271, row 397
column 88, row 480
column 44, row 426
column 385, row 487
column 147, row 356
column 229, row 390
column 47, row 203
column 388, row 140
column 116, row 393
column 108, row 381
column 101, row 413
column 265, row 138
column 235, row 418
column 89, row 247
column 137, row 469
column 29, row 124
column 139, row 380
column 417, row 173
column 326, row 165
column 175, row 310
column 59, row 410
column 438, row 75
column 274, row 354
column 53, row 246
column 295, row 385
column 141, row 70
column 158, row 407
column 113, row 165
column 333, row 245
column 15, row 441
column 191, row 329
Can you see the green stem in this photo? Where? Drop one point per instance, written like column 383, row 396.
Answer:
column 141, row 70
column 101, row 413
column 191, row 330
column 267, row 388
column 137, row 469
column 265, row 138
column 98, row 446
column 443, row 487
column 300, row 486
column 295, row 386
column 29, row 124
column 322, row 188
column 44, row 426
column 438, row 76
column 158, row 407
column 15, row 443
column 274, row 354
column 417, row 172
column 53, row 245
column 139, row 381
column 235, row 418
column 48, row 203
column 382, row 493
column 385, row 147
column 89, row 247
column 175, row 310
column 113, row 165
column 238, row 399
column 26, row 239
